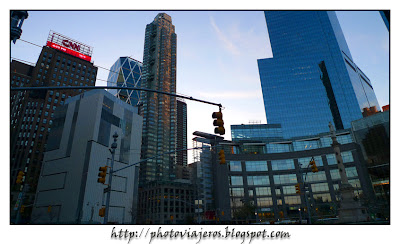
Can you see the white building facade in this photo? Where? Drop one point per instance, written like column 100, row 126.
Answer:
column 78, row 144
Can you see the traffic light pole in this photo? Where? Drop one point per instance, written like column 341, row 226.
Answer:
column 113, row 147
column 112, row 171
column 305, row 193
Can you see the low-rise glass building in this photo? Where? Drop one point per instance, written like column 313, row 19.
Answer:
column 262, row 177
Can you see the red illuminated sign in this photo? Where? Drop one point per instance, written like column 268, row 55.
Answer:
column 72, row 45
column 67, row 45
column 69, row 51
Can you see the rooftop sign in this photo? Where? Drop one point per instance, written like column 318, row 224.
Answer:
column 70, row 46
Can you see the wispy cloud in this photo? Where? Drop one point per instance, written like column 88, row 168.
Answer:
column 228, row 44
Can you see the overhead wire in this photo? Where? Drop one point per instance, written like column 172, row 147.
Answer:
column 98, row 66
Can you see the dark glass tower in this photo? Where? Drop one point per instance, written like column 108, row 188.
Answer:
column 159, row 110
column 311, row 79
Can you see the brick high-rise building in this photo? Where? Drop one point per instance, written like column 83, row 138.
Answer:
column 62, row 62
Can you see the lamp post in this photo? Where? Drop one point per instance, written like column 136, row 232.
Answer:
column 17, row 19
column 113, row 147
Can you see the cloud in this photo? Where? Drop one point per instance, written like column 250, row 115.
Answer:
column 228, row 44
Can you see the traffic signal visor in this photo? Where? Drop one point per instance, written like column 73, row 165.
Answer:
column 219, row 123
column 298, row 190
column 102, row 175
column 221, row 157
column 20, row 177
column 314, row 168
column 102, row 212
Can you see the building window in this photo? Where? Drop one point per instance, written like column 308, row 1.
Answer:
column 285, row 164
column 347, row 157
column 264, row 202
column 289, row 190
column 351, row 172
column 292, row 200
column 253, row 180
column 304, row 162
column 263, row 191
column 320, row 187
column 318, row 176
column 285, row 179
column 305, row 145
column 344, row 139
column 236, row 180
column 320, row 198
column 235, row 166
column 236, row 192
column 256, row 166
column 331, row 158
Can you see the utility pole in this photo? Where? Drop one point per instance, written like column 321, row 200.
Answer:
column 305, row 191
column 113, row 147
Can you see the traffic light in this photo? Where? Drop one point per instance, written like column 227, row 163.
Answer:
column 298, row 190
column 221, row 157
column 20, row 176
column 102, row 212
column 314, row 168
column 22, row 209
column 219, row 123
column 102, row 175
column 49, row 209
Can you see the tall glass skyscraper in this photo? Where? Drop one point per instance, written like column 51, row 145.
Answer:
column 159, row 110
column 126, row 72
column 311, row 79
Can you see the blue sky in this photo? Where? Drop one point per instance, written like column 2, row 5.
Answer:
column 217, row 53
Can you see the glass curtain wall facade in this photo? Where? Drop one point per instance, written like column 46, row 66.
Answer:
column 267, row 180
column 256, row 132
column 126, row 72
column 159, row 110
column 311, row 79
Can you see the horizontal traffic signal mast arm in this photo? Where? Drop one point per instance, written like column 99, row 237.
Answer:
column 109, row 87
column 158, row 155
